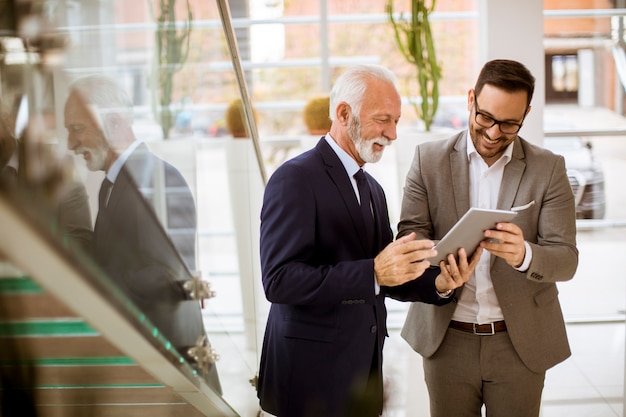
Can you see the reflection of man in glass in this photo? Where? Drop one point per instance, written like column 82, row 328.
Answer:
column 99, row 117
column 129, row 243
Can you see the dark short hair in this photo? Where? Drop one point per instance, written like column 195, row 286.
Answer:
column 508, row 75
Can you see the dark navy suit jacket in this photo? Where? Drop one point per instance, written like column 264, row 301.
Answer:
column 133, row 248
column 326, row 325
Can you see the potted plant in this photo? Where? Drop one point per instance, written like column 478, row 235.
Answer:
column 414, row 38
column 316, row 117
column 234, row 119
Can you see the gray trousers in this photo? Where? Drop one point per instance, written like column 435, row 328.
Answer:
column 470, row 370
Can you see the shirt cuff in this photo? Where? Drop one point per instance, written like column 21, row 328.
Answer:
column 446, row 294
column 527, row 258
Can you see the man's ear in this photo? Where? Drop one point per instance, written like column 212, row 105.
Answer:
column 343, row 112
column 470, row 99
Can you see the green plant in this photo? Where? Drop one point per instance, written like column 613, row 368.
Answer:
column 415, row 40
column 316, row 116
column 172, row 50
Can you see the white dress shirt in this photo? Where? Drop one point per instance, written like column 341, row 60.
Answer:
column 478, row 302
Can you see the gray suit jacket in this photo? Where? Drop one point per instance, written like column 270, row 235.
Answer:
column 436, row 195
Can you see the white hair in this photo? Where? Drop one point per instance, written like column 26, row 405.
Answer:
column 105, row 95
column 351, row 85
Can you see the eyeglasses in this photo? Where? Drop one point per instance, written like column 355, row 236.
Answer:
column 487, row 121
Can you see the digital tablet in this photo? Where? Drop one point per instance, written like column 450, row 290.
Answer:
column 469, row 231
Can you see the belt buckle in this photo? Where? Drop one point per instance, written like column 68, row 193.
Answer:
column 487, row 333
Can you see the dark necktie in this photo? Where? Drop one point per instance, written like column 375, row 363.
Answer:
column 105, row 193
column 365, row 196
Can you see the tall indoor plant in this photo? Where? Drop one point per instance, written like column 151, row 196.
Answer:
column 172, row 50
column 414, row 38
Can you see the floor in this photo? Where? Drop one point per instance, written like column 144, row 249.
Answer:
column 589, row 383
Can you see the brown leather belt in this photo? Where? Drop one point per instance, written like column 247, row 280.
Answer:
column 479, row 329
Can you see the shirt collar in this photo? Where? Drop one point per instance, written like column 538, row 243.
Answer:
column 117, row 165
column 347, row 161
column 471, row 150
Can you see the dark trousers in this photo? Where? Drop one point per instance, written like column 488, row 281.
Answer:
column 368, row 402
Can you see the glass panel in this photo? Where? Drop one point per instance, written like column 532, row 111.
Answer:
column 109, row 102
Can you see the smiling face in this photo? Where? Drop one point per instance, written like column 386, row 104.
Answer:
column 375, row 126
column 502, row 106
column 85, row 137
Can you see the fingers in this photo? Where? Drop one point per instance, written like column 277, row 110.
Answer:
column 455, row 274
column 403, row 260
column 398, row 273
column 475, row 258
column 414, row 250
column 504, row 233
column 408, row 244
column 507, row 242
column 401, row 241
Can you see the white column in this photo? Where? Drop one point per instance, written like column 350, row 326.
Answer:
column 246, row 193
column 513, row 29
column 587, row 77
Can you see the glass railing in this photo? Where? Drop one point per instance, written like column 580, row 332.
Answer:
column 75, row 344
column 128, row 237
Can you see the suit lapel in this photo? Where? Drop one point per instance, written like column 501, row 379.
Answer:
column 339, row 177
column 459, row 170
column 122, row 182
column 512, row 177
column 381, row 218
column 102, row 228
column 106, row 215
column 141, row 167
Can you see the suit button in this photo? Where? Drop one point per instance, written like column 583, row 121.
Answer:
column 373, row 329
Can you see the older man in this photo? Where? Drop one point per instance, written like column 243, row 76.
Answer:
column 328, row 261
